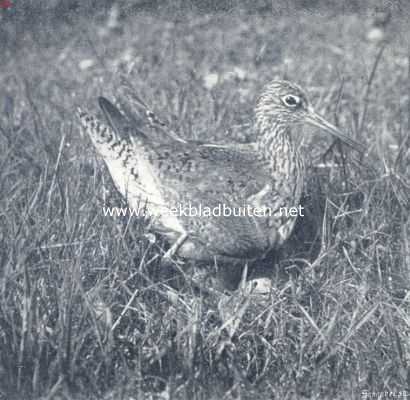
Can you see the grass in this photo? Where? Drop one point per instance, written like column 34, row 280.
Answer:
column 85, row 310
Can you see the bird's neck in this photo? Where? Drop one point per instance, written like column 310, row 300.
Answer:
column 277, row 148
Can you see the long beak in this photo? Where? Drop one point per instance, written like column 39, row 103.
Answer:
column 316, row 120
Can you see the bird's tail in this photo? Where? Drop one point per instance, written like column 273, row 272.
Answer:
column 104, row 138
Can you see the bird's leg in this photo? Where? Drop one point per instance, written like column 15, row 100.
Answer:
column 167, row 258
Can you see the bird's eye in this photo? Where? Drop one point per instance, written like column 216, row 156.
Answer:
column 291, row 101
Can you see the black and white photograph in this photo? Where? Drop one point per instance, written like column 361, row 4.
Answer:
column 204, row 200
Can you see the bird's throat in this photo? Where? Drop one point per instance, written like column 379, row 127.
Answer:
column 279, row 151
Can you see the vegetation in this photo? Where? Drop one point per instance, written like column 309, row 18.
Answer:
column 85, row 310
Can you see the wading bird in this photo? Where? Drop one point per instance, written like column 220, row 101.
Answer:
column 163, row 174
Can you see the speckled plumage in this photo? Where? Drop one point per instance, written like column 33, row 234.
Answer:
column 172, row 172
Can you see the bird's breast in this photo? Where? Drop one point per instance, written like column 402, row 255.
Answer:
column 282, row 200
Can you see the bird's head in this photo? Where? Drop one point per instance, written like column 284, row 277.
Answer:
column 286, row 104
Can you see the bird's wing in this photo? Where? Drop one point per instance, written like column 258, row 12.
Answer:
column 235, row 172
column 215, row 178
column 192, row 161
